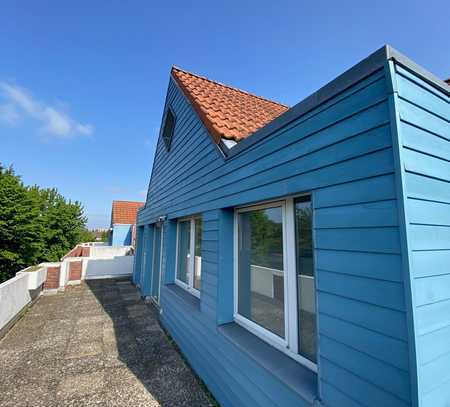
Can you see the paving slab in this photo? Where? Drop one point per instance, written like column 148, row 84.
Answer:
column 81, row 385
column 96, row 344
column 78, row 349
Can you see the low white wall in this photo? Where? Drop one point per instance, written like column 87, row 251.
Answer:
column 94, row 244
column 14, row 295
column 107, row 252
column 64, row 273
column 107, row 267
column 262, row 279
column 35, row 278
column 262, row 283
column 306, row 293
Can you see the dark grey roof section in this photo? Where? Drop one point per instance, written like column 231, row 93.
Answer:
column 392, row 53
column 358, row 72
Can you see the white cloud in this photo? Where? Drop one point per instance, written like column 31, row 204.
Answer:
column 19, row 102
column 9, row 114
column 86, row 129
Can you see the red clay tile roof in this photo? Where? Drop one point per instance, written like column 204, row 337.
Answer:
column 225, row 111
column 125, row 212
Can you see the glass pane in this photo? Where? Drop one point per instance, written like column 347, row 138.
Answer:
column 168, row 129
column 260, row 269
column 184, row 243
column 156, row 272
column 198, row 254
column 144, row 257
column 305, row 279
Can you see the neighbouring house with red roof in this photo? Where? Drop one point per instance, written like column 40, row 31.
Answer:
column 299, row 256
column 123, row 222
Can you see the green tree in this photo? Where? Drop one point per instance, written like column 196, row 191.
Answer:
column 21, row 225
column 87, row 236
column 64, row 223
column 104, row 236
column 36, row 224
column 267, row 238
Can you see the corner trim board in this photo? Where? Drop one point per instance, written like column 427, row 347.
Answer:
column 403, row 229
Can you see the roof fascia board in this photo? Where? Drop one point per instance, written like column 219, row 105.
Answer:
column 350, row 77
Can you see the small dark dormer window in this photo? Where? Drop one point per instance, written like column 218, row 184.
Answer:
column 169, row 125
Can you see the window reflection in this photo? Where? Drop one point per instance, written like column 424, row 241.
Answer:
column 305, row 279
column 183, row 258
column 198, row 254
column 261, row 269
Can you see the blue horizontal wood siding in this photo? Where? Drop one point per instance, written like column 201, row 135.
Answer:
column 424, row 128
column 342, row 153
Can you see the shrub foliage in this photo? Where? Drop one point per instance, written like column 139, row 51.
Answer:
column 36, row 224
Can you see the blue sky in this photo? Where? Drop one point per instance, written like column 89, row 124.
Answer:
column 82, row 84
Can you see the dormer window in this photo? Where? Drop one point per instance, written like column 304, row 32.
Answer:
column 169, row 125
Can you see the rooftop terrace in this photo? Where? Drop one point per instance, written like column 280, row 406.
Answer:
column 96, row 344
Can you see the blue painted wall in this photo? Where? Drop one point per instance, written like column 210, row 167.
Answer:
column 424, row 134
column 121, row 235
column 137, row 266
column 343, row 153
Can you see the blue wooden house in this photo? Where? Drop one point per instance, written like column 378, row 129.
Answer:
column 301, row 256
column 123, row 222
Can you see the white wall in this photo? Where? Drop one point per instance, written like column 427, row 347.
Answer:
column 108, row 251
column 35, row 278
column 104, row 262
column 107, row 267
column 306, row 293
column 14, row 295
column 262, row 279
column 262, row 283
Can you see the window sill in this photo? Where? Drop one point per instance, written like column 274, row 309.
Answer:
column 185, row 296
column 187, row 288
column 297, row 377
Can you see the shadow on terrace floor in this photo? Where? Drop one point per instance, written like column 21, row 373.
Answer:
column 94, row 344
column 153, row 370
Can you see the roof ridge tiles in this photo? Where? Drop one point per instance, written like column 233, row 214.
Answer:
column 226, row 112
column 229, row 87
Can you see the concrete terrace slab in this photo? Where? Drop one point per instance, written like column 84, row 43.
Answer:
column 95, row 344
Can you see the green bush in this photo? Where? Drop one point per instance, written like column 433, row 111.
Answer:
column 36, row 224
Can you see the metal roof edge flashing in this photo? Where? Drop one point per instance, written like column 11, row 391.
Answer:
column 413, row 67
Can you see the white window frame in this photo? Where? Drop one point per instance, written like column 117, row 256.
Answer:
column 190, row 286
column 288, row 344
